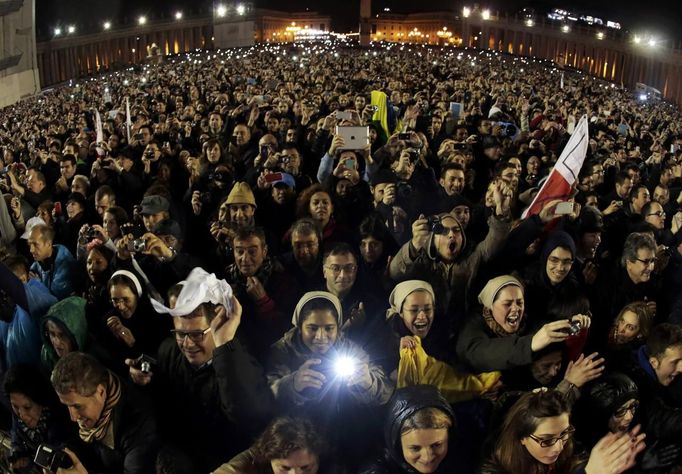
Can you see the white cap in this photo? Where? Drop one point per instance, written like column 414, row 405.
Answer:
column 30, row 224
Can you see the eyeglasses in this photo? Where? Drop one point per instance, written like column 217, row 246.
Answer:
column 416, row 310
column 632, row 408
column 659, row 214
column 546, row 443
column 194, row 336
column 648, row 261
column 560, row 261
column 337, row 269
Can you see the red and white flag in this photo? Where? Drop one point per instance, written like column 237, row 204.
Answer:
column 565, row 172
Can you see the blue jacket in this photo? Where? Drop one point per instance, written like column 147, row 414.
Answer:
column 62, row 276
column 20, row 338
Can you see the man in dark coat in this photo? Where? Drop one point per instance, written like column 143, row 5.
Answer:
column 214, row 397
column 657, row 364
column 267, row 292
column 113, row 417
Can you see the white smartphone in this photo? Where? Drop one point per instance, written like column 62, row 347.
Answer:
column 354, row 138
column 564, row 208
column 344, row 115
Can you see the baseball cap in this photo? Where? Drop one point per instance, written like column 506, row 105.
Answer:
column 154, row 205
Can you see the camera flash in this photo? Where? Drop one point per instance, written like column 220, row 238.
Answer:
column 344, row 366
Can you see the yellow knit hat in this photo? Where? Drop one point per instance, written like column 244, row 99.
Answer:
column 241, row 194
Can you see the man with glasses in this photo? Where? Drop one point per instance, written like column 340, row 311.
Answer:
column 362, row 321
column 633, row 280
column 213, row 394
column 340, row 271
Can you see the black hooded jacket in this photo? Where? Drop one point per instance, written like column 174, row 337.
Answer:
column 404, row 403
column 599, row 402
column 541, row 295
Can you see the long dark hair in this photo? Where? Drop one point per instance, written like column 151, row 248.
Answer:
column 521, row 421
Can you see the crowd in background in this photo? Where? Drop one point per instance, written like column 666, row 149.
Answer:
column 202, row 271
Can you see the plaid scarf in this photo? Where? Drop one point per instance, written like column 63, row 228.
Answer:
column 99, row 431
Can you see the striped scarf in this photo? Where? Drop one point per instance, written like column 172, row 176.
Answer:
column 99, row 431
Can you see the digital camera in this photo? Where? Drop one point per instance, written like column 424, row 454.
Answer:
column 137, row 245
column 435, row 225
column 51, row 458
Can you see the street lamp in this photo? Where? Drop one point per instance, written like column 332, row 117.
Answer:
column 485, row 14
column 466, row 11
column 107, row 25
column 600, row 35
column 142, row 20
column 241, row 9
column 221, row 10
column 178, row 15
column 71, row 29
column 637, row 39
column 566, row 28
column 57, row 31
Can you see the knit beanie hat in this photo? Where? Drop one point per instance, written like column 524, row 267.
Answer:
column 241, row 194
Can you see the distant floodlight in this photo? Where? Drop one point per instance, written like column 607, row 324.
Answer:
column 71, row 29
column 178, row 15
column 565, row 28
column 530, row 22
column 57, row 31
column 637, row 39
column 142, row 20
column 107, row 25
column 221, row 11
column 241, row 9
column 651, row 42
column 485, row 14
column 600, row 35
column 466, row 11
column 642, row 96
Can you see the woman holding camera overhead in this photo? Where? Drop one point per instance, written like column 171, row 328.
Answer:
column 315, row 371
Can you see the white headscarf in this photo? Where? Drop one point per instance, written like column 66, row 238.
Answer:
column 199, row 287
column 311, row 295
column 487, row 296
column 403, row 290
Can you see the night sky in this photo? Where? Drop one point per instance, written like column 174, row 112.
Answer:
column 660, row 17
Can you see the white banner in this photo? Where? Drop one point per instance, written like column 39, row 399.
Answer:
column 100, row 132
column 129, row 123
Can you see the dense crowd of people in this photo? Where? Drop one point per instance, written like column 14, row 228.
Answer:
column 310, row 258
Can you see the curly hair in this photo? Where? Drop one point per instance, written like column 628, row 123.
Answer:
column 284, row 436
column 303, row 201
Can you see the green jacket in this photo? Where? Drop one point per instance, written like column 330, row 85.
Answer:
column 69, row 314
